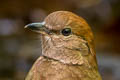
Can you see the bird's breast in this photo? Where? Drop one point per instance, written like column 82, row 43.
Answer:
column 48, row 69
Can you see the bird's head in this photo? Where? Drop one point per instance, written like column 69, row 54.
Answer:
column 67, row 38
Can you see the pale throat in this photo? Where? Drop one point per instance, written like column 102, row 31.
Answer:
column 61, row 52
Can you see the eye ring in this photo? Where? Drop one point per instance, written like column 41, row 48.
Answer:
column 66, row 31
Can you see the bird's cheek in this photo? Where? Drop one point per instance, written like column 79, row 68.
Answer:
column 57, row 42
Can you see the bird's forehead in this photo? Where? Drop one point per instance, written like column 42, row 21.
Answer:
column 60, row 19
column 56, row 20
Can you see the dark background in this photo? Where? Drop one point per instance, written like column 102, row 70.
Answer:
column 19, row 48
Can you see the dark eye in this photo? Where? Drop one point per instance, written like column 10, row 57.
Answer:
column 66, row 31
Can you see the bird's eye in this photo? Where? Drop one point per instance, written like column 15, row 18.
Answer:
column 66, row 31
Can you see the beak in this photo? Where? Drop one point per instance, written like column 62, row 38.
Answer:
column 38, row 27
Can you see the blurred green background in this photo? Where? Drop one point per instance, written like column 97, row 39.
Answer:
column 19, row 48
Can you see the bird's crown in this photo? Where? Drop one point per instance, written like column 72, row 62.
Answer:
column 61, row 19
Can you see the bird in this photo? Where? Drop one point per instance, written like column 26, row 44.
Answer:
column 68, row 51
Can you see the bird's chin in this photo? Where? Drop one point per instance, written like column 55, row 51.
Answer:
column 46, row 37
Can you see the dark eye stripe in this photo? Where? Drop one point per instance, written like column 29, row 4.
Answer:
column 55, row 31
column 65, row 31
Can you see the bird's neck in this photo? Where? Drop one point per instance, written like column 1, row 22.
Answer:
column 68, row 55
column 71, row 57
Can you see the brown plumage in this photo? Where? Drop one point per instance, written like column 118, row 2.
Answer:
column 67, row 49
